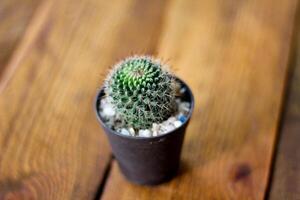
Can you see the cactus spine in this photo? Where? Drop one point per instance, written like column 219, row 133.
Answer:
column 142, row 91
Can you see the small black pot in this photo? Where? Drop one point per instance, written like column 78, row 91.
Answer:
column 148, row 161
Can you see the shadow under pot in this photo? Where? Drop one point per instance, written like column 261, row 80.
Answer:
column 148, row 160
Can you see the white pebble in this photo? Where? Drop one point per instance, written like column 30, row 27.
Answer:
column 132, row 132
column 177, row 123
column 155, row 127
column 108, row 111
column 182, row 90
column 172, row 119
column 124, row 131
column 168, row 128
column 184, row 107
column 145, row 133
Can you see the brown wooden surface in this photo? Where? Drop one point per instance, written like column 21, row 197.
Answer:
column 233, row 54
column 14, row 18
column 286, row 180
column 51, row 145
column 234, row 57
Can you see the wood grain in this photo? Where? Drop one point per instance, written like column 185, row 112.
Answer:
column 286, row 180
column 234, row 56
column 14, row 18
column 51, row 145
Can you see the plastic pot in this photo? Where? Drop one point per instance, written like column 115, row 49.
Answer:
column 151, row 160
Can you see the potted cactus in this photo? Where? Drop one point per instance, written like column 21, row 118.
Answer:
column 144, row 110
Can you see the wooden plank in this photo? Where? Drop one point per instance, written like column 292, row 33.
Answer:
column 51, row 144
column 234, row 56
column 286, row 178
column 14, row 18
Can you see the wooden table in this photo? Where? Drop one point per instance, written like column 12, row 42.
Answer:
column 241, row 59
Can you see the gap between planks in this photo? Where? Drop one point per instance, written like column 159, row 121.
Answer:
column 106, row 174
column 284, row 104
column 280, row 182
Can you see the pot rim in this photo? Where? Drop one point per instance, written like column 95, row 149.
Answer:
column 99, row 118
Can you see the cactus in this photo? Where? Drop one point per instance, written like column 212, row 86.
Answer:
column 142, row 91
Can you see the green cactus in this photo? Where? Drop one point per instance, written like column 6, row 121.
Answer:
column 142, row 91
